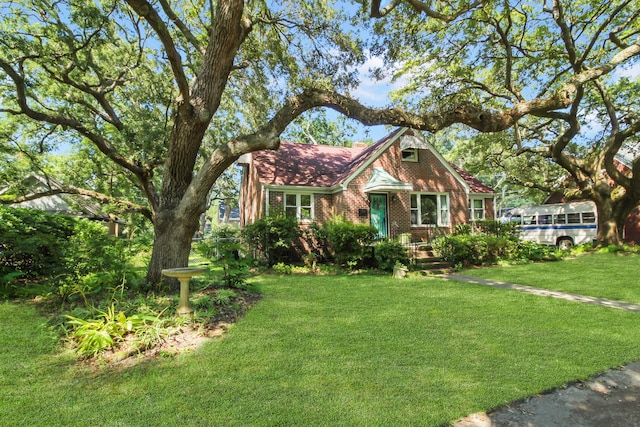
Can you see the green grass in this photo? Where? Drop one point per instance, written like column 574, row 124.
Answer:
column 602, row 275
column 332, row 350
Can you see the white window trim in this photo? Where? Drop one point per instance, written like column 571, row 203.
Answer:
column 299, row 206
column 472, row 209
column 412, row 158
column 439, row 222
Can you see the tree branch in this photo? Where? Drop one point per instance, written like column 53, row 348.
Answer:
column 103, row 198
column 567, row 38
column 98, row 140
column 376, row 12
column 146, row 10
column 181, row 26
column 420, row 7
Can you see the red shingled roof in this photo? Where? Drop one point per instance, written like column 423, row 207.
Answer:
column 474, row 183
column 325, row 166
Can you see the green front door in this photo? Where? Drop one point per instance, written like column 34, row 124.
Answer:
column 378, row 208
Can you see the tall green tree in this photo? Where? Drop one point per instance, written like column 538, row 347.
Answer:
column 173, row 92
column 507, row 54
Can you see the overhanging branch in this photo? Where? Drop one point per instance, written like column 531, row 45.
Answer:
column 100, row 197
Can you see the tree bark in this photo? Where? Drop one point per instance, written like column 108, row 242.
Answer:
column 171, row 245
column 608, row 231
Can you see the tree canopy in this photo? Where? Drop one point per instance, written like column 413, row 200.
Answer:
column 504, row 54
column 172, row 93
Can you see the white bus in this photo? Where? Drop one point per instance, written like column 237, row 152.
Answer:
column 561, row 224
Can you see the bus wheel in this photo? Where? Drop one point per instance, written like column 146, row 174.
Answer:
column 565, row 243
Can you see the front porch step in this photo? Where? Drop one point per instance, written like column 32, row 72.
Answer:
column 432, row 265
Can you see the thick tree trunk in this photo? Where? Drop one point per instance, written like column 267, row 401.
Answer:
column 609, row 225
column 608, row 232
column 171, row 246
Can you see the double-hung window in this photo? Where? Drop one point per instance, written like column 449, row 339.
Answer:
column 430, row 209
column 476, row 207
column 299, row 206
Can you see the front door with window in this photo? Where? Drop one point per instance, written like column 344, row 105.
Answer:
column 378, row 209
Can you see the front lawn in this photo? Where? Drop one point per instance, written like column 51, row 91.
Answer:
column 329, row 350
column 601, row 275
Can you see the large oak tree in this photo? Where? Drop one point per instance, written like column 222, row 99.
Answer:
column 504, row 54
column 173, row 92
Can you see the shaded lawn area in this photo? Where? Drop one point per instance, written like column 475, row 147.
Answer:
column 602, row 275
column 332, row 350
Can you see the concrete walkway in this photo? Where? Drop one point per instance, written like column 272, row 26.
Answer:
column 543, row 292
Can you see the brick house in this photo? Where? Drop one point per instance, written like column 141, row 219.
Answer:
column 400, row 184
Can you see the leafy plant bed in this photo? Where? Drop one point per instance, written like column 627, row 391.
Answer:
column 175, row 335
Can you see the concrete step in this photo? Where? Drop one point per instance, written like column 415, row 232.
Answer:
column 432, row 265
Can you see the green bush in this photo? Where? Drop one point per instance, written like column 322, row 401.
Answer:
column 496, row 228
column 282, row 268
column 486, row 249
column 387, row 254
column 33, row 242
column 273, row 237
column 235, row 268
column 76, row 256
column 211, row 247
column 349, row 243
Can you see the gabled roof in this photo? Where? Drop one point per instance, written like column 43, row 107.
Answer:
column 475, row 185
column 311, row 165
column 326, row 167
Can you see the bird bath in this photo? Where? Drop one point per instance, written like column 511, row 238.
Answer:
column 184, row 275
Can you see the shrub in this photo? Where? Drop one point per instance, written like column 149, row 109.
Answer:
column 273, row 237
column 33, row 242
column 349, row 243
column 486, row 249
column 211, row 247
column 76, row 255
column 496, row 228
column 388, row 254
column 235, row 268
column 91, row 248
column 282, row 268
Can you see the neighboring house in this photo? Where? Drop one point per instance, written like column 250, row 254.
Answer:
column 68, row 204
column 400, row 184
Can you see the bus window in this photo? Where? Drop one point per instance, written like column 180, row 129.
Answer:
column 588, row 217
column 544, row 219
column 573, row 218
column 530, row 219
column 560, row 219
column 515, row 218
